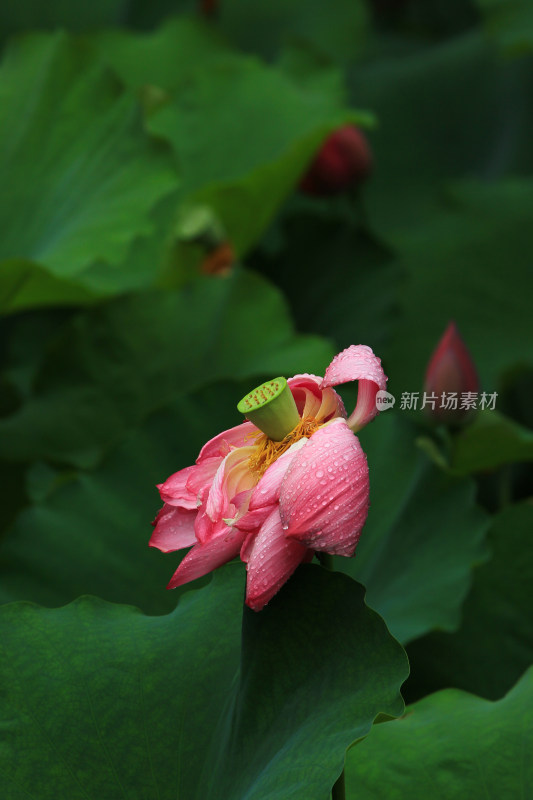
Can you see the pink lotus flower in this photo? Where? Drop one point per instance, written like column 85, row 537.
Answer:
column 273, row 502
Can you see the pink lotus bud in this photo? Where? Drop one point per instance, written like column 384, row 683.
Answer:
column 451, row 383
column 343, row 161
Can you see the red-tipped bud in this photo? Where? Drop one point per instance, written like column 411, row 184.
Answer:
column 343, row 161
column 451, row 384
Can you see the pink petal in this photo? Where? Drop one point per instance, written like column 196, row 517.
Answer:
column 203, row 525
column 241, row 500
column 271, row 561
column 220, row 445
column 306, row 378
column 358, row 363
column 217, row 499
column 239, row 477
column 265, row 496
column 248, row 543
column 174, row 529
column 204, row 558
column 266, row 493
column 232, row 477
column 252, row 520
column 238, row 507
column 324, row 495
column 202, row 475
column 174, row 490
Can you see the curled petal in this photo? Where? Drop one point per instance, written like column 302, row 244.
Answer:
column 206, row 557
column 358, row 363
column 174, row 529
column 221, row 445
column 271, row 561
column 313, row 401
column 324, row 495
column 307, row 394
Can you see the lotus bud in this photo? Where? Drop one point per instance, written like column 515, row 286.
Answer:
column 343, row 162
column 451, row 383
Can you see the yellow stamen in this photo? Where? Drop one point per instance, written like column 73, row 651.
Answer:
column 267, row 450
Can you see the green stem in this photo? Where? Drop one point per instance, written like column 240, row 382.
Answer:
column 339, row 789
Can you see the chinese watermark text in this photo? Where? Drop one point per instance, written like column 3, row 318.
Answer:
column 448, row 401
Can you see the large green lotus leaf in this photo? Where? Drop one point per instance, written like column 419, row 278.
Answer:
column 510, row 22
column 451, row 110
column 88, row 533
column 115, row 364
column 423, row 535
column 490, row 441
column 339, row 279
column 26, row 284
column 165, row 57
column 470, row 264
column 101, row 701
column 80, row 175
column 272, row 113
column 243, row 134
column 494, row 644
column 449, row 746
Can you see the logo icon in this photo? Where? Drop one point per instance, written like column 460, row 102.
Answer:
column 384, row 400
